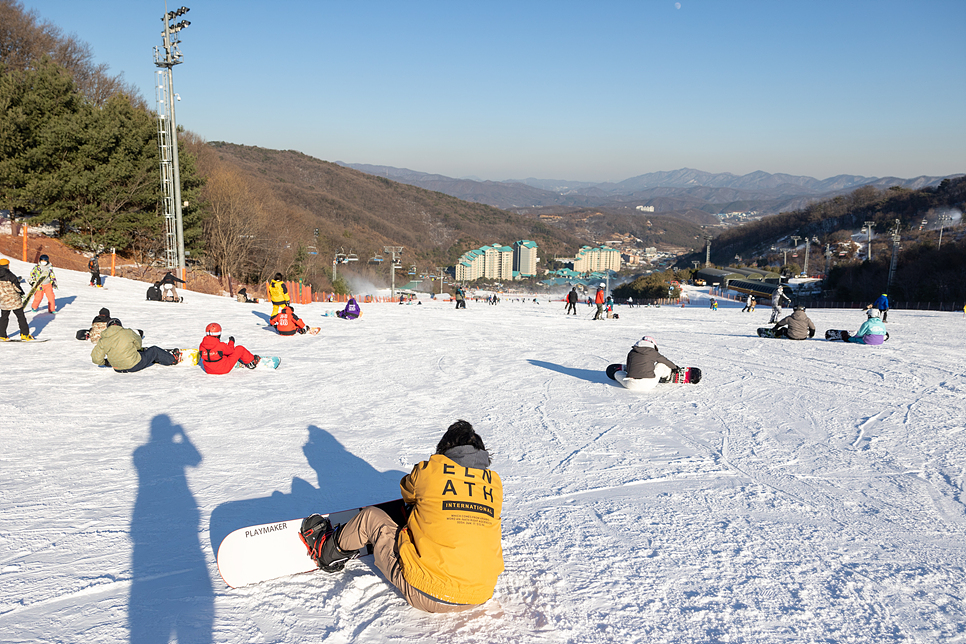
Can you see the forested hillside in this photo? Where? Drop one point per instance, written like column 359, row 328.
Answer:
column 924, row 271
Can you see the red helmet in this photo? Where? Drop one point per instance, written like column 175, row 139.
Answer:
column 213, row 329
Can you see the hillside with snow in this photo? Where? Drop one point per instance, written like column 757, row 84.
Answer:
column 802, row 492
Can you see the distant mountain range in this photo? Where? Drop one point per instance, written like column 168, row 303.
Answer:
column 671, row 192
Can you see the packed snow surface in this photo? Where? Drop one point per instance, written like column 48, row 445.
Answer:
column 802, row 492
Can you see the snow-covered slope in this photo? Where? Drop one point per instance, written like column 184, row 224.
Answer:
column 802, row 492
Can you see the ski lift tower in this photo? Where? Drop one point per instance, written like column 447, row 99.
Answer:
column 168, row 139
column 395, row 252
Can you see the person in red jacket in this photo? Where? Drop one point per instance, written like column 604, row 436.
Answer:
column 286, row 322
column 221, row 357
column 599, row 301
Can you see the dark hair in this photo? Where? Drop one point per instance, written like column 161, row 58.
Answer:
column 278, row 277
column 459, row 433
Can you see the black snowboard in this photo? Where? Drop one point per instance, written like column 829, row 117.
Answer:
column 837, row 334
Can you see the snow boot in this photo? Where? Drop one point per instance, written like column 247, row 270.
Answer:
column 177, row 355
column 252, row 365
column 320, row 538
column 24, row 337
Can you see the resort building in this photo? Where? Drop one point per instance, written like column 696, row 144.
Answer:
column 602, row 258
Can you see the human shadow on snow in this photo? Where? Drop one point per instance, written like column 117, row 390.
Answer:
column 345, row 481
column 171, row 593
column 590, row 375
column 264, row 317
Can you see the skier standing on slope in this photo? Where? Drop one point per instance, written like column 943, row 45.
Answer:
column 43, row 274
column 572, row 301
column 11, row 299
column 221, row 357
column 448, row 555
column 881, row 303
column 278, row 293
column 776, row 304
column 94, row 267
column 645, row 366
column 799, row 326
column 121, row 349
column 599, row 301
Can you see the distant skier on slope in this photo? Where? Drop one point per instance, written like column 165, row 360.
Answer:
column 882, row 304
column 278, row 293
column 776, row 304
column 43, row 275
column 571, row 301
column 95, row 269
column 219, row 357
column 448, row 556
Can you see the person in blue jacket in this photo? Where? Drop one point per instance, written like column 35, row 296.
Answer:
column 881, row 303
column 872, row 331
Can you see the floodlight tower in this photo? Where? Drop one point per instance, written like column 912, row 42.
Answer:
column 168, row 138
column 942, row 222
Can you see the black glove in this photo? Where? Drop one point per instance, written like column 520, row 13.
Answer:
column 303, row 330
column 231, row 338
column 811, row 333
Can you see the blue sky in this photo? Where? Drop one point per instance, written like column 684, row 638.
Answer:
column 589, row 91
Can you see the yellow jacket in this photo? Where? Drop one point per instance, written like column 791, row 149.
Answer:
column 278, row 291
column 450, row 548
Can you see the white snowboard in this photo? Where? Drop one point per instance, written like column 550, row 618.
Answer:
column 262, row 552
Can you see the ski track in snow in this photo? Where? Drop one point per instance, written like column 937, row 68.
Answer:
column 802, row 492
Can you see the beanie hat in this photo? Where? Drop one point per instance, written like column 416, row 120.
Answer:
column 104, row 313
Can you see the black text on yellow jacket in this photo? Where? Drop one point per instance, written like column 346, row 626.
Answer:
column 450, row 548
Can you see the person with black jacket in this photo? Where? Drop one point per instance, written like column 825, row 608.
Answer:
column 645, row 366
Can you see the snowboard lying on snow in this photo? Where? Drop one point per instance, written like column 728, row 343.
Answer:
column 262, row 552
column 683, row 375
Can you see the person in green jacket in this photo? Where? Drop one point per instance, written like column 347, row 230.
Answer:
column 121, row 349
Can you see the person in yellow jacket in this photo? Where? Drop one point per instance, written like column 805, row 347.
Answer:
column 448, row 555
column 278, row 293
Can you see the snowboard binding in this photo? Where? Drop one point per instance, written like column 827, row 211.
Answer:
column 319, row 537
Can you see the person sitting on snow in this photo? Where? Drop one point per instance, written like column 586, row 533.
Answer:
column 286, row 322
column 449, row 555
column 351, row 310
column 799, row 326
column 645, row 367
column 221, row 357
column 872, row 331
column 121, row 349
